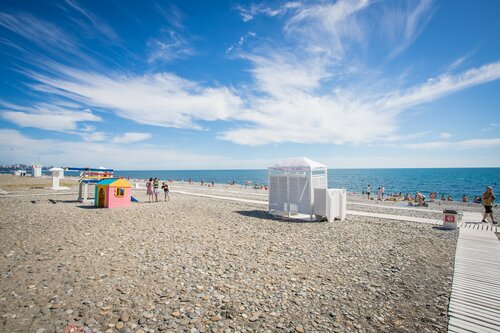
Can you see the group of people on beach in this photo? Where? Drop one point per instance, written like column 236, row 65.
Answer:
column 380, row 192
column 487, row 199
column 153, row 190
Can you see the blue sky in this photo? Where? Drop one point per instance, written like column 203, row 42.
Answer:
column 236, row 85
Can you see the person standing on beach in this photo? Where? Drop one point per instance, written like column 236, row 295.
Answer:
column 149, row 189
column 383, row 191
column 488, row 199
column 166, row 191
column 420, row 198
column 155, row 188
column 368, row 191
column 379, row 193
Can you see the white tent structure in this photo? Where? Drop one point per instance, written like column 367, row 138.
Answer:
column 20, row 172
column 291, row 186
column 37, row 170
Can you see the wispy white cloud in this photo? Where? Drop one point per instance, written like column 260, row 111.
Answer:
column 173, row 15
column 45, row 41
column 445, row 135
column 91, row 136
column 93, row 22
column 293, row 111
column 169, row 46
column 305, row 90
column 491, row 127
column 47, row 117
column 131, row 137
column 173, row 41
column 248, row 13
column 457, row 145
column 327, row 29
column 442, row 85
column 40, row 32
column 404, row 25
column 457, row 63
column 16, row 147
column 238, row 45
column 161, row 99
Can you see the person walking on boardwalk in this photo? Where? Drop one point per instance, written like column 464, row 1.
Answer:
column 488, row 199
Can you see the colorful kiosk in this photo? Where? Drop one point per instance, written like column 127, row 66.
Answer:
column 112, row 192
column 89, row 177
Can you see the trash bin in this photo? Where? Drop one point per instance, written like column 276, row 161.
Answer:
column 450, row 219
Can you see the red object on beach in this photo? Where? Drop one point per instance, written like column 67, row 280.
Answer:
column 73, row 328
column 450, row 219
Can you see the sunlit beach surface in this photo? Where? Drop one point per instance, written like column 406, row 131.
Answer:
column 200, row 264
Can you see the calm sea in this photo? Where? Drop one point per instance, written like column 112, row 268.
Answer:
column 454, row 182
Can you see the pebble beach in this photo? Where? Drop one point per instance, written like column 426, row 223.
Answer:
column 199, row 264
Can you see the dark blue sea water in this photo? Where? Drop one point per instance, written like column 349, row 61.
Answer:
column 454, row 182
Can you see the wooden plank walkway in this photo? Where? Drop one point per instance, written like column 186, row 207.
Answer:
column 475, row 296
column 472, row 220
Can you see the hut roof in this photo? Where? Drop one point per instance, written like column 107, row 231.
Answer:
column 113, row 182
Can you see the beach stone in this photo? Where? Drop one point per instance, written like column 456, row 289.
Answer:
column 217, row 317
column 148, row 315
column 253, row 318
column 176, row 314
column 124, row 317
column 119, row 325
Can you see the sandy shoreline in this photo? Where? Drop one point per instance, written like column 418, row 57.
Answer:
column 199, row 265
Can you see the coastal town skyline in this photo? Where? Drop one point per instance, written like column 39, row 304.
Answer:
column 240, row 85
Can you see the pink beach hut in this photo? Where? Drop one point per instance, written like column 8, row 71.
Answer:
column 112, row 192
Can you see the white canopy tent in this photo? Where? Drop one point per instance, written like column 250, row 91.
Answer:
column 292, row 183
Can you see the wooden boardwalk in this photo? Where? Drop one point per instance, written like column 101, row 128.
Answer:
column 475, row 297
